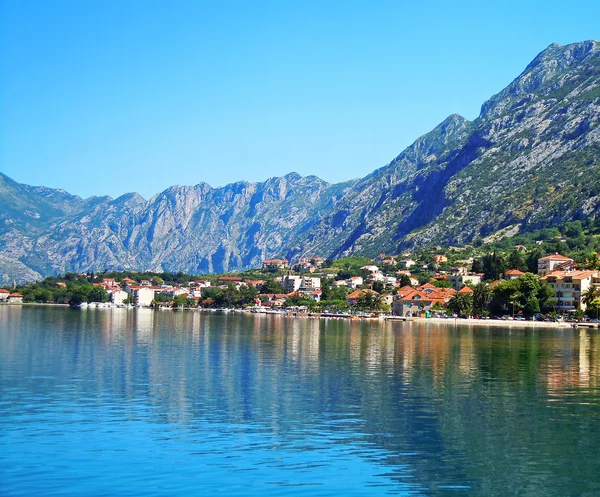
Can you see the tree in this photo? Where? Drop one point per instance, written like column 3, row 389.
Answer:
column 525, row 293
column 79, row 295
column 405, row 280
column 493, row 266
column 516, row 261
column 461, row 304
column 272, row 286
column 369, row 301
column 378, row 286
column 593, row 308
column 589, row 295
column 532, row 260
column 300, row 300
column 481, row 297
column 98, row 294
column 477, row 266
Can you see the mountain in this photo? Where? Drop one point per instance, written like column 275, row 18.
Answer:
column 531, row 159
column 192, row 228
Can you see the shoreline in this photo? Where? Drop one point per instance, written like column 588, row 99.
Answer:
column 437, row 321
column 502, row 322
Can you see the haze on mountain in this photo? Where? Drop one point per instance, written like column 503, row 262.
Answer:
column 531, row 159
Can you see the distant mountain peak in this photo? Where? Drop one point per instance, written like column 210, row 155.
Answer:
column 551, row 74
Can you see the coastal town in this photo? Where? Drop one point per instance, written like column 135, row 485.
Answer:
column 514, row 287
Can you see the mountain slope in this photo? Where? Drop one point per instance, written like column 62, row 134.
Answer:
column 196, row 229
column 531, row 159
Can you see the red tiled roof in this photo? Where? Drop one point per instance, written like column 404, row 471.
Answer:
column 576, row 275
column 2, row 290
column 556, row 257
column 465, row 289
column 514, row 271
column 359, row 293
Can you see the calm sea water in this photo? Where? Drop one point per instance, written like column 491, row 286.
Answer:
column 117, row 402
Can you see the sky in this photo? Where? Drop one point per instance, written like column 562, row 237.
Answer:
column 103, row 97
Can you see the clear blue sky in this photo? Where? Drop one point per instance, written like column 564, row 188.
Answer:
column 106, row 97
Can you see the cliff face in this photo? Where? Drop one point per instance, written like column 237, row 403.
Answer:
column 531, row 158
column 196, row 229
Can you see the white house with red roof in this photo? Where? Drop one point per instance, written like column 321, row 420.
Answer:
column 15, row 298
column 512, row 274
column 550, row 263
column 568, row 287
column 4, row 295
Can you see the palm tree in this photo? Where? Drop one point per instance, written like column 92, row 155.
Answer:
column 481, row 297
column 590, row 298
column 589, row 295
column 461, row 304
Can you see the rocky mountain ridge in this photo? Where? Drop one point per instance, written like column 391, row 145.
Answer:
column 530, row 159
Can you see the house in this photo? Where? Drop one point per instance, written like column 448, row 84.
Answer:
column 316, row 295
column 387, row 299
column 371, row 269
column 550, row 262
column 568, row 286
column 354, row 282
column 376, row 276
column 15, row 298
column 512, row 274
column 308, row 264
column 440, row 259
column 407, row 263
column 255, row 283
column 117, row 297
column 411, row 303
column 143, row 295
column 353, row 297
column 291, row 283
column 275, row 263
column 413, row 281
column 309, row 283
column 4, row 295
column 427, row 288
column 459, row 280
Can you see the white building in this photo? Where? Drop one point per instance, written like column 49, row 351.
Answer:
column 143, row 295
column 309, row 282
column 550, row 262
column 354, row 282
column 372, row 269
column 407, row 263
column 459, row 280
column 568, row 287
column 118, row 297
column 291, row 283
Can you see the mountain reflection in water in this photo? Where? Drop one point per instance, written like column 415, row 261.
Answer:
column 173, row 403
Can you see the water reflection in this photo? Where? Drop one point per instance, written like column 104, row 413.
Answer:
column 437, row 409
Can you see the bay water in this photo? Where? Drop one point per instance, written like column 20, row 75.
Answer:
column 141, row 402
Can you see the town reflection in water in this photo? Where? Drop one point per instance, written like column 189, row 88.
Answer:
column 497, row 410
